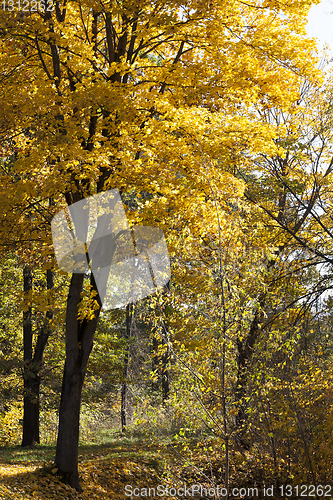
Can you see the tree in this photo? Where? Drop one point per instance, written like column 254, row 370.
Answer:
column 129, row 319
column 108, row 96
column 288, row 185
column 33, row 362
column 292, row 190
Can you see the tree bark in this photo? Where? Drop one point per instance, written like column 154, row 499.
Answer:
column 160, row 366
column 129, row 317
column 79, row 341
column 30, row 432
column 245, row 350
column 32, row 365
column 165, row 373
column 155, row 364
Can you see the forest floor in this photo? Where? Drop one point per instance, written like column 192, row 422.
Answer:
column 117, row 462
column 104, row 470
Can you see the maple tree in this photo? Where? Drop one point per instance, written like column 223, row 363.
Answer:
column 109, row 95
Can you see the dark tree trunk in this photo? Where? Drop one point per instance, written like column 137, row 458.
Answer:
column 31, row 413
column 165, row 374
column 160, row 366
column 244, row 357
column 123, row 412
column 30, row 433
column 79, row 341
column 32, row 365
column 155, row 365
column 245, row 350
column 129, row 318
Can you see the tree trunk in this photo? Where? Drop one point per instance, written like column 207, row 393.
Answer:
column 165, row 374
column 30, row 404
column 160, row 366
column 245, row 351
column 129, row 317
column 31, row 411
column 123, row 406
column 155, row 364
column 79, row 341
column 32, row 365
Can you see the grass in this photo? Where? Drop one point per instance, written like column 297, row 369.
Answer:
column 17, row 454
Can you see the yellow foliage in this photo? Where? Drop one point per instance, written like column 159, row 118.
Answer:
column 10, row 425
